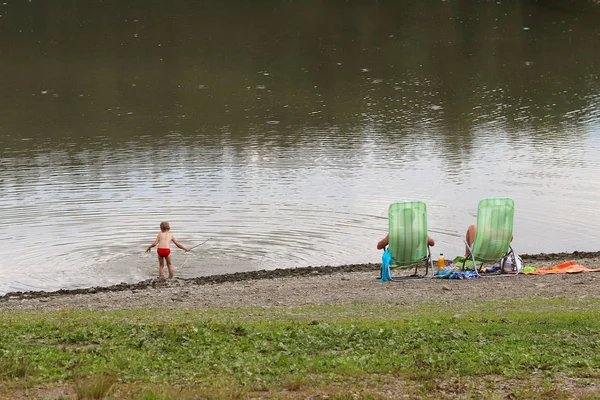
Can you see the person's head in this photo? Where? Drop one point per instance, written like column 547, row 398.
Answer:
column 164, row 226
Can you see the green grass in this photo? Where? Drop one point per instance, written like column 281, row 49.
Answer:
column 94, row 388
column 234, row 353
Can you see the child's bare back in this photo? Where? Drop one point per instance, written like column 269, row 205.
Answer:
column 164, row 239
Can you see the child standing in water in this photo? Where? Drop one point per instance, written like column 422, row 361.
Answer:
column 164, row 240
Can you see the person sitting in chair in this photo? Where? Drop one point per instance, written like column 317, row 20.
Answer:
column 383, row 243
column 470, row 238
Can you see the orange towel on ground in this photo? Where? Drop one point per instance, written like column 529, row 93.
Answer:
column 569, row 267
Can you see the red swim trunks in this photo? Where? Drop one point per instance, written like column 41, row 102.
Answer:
column 163, row 251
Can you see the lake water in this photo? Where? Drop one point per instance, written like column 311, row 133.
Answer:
column 282, row 130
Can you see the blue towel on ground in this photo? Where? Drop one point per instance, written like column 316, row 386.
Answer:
column 443, row 273
column 386, row 261
column 451, row 274
column 463, row 275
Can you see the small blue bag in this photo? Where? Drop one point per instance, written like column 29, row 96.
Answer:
column 386, row 261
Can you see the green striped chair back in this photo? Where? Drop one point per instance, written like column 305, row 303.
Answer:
column 408, row 232
column 494, row 228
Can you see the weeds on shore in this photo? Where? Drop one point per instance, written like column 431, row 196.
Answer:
column 234, row 353
column 12, row 367
column 95, row 388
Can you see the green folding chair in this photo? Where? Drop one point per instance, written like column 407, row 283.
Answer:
column 408, row 244
column 493, row 236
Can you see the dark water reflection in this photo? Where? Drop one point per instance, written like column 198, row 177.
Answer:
column 282, row 130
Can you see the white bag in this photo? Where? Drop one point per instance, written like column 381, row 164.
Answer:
column 513, row 263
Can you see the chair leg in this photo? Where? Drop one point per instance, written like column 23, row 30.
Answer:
column 416, row 275
column 472, row 259
column 428, row 262
column 428, row 266
column 475, row 265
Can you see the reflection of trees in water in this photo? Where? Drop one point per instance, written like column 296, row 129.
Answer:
column 277, row 71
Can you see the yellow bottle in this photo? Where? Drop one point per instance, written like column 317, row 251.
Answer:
column 441, row 261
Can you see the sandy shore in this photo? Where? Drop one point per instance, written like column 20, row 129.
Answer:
column 342, row 285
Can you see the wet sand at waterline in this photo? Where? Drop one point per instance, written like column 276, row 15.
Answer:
column 327, row 285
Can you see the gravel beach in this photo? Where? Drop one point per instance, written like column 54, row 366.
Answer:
column 327, row 285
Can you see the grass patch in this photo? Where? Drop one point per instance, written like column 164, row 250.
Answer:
column 12, row 367
column 298, row 351
column 94, row 388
